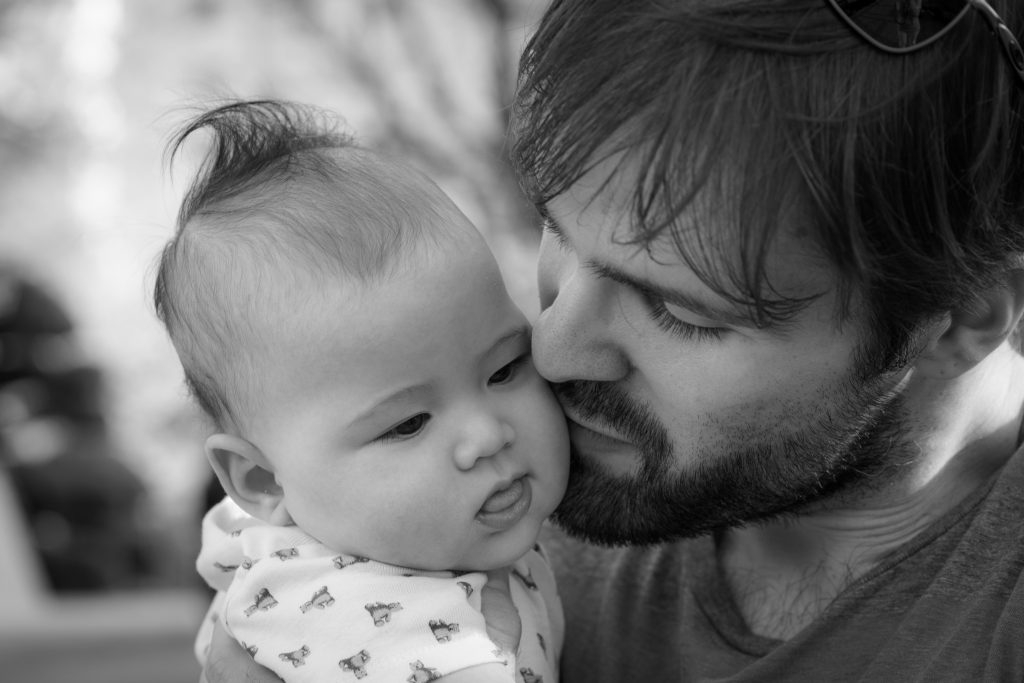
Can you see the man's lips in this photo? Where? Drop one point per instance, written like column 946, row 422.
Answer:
column 612, row 451
column 576, row 423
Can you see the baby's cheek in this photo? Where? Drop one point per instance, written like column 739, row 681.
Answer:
column 436, row 539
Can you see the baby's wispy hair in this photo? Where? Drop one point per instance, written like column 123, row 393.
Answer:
column 254, row 142
column 284, row 196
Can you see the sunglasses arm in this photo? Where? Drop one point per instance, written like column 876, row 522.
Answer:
column 1011, row 48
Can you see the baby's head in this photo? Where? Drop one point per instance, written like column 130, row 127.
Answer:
column 282, row 204
column 347, row 330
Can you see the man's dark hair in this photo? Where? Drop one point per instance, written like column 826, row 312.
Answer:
column 909, row 170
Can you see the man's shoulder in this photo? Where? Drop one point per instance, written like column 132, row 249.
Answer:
column 988, row 556
column 992, row 539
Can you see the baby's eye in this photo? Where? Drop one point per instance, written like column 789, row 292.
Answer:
column 506, row 373
column 407, row 429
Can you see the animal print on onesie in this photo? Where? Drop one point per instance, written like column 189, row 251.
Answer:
column 310, row 614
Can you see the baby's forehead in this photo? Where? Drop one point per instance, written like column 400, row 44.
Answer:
column 282, row 244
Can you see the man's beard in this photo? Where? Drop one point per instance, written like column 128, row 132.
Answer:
column 852, row 442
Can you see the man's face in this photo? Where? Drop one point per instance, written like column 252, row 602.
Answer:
column 684, row 416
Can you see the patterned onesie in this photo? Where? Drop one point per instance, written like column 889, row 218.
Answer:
column 311, row 614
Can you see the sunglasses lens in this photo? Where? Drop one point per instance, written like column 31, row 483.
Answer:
column 901, row 24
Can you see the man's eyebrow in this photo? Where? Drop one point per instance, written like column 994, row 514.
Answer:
column 673, row 296
column 652, row 289
column 545, row 215
column 550, row 224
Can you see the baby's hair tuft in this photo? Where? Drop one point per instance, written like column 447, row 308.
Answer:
column 252, row 139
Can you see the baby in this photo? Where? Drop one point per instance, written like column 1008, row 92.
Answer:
column 382, row 435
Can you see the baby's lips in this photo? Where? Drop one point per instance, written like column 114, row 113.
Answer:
column 505, row 507
column 503, row 497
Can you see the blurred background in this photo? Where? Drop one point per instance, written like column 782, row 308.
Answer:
column 102, row 476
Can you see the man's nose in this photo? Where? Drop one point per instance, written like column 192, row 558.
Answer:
column 484, row 434
column 574, row 336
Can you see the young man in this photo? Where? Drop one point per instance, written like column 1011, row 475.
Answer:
column 781, row 286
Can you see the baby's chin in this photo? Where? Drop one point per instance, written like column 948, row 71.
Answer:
column 505, row 553
column 489, row 551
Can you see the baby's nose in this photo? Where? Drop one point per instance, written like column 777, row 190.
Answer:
column 483, row 437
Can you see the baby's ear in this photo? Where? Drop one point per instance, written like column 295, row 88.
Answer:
column 247, row 477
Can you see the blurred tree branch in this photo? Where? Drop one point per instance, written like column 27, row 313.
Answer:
column 403, row 62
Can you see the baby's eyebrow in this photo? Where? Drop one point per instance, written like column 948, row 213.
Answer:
column 512, row 336
column 419, row 392
column 403, row 395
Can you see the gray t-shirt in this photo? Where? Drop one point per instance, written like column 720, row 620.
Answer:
column 947, row 606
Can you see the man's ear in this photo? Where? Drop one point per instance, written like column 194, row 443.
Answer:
column 247, row 477
column 975, row 330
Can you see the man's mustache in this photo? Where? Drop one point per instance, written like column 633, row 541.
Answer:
column 607, row 404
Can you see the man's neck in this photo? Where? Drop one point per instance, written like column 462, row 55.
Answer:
column 784, row 573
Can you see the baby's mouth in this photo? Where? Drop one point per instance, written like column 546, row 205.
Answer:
column 502, row 498
column 505, row 507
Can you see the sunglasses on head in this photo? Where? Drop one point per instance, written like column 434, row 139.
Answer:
column 902, row 26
